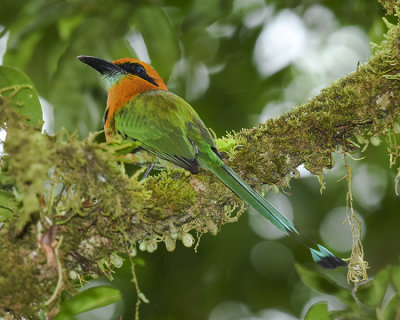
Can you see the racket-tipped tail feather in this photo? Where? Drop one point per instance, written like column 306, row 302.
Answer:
column 323, row 257
column 326, row 259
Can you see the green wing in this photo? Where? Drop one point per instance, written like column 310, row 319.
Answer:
column 166, row 125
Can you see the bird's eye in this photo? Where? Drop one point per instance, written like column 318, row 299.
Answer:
column 139, row 69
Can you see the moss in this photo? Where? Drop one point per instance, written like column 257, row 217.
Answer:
column 165, row 183
column 22, row 282
column 389, row 5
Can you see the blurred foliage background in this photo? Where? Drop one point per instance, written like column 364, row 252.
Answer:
column 238, row 63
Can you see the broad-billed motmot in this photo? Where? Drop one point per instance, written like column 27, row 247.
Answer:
column 140, row 107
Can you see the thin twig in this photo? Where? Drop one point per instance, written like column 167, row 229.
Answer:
column 60, row 275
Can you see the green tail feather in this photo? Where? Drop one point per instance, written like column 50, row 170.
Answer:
column 322, row 256
column 246, row 193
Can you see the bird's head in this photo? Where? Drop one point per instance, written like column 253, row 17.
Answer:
column 125, row 78
column 128, row 71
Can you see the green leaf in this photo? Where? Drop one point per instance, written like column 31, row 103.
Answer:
column 14, row 84
column 159, row 37
column 318, row 311
column 392, row 309
column 67, row 25
column 372, row 292
column 396, row 278
column 89, row 299
column 323, row 284
column 345, row 315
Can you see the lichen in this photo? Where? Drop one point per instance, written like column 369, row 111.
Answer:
column 389, row 5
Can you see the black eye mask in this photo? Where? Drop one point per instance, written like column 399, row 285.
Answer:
column 138, row 70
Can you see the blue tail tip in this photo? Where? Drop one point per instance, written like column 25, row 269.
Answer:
column 326, row 259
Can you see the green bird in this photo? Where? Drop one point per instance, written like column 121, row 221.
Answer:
column 140, row 108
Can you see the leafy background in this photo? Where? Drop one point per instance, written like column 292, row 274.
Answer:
column 237, row 62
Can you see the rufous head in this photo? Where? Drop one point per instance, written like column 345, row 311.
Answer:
column 136, row 72
column 125, row 78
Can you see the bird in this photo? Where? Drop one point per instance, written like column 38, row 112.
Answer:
column 141, row 108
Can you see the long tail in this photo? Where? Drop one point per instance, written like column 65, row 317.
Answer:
column 321, row 256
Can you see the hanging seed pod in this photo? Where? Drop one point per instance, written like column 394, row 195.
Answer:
column 169, row 243
column 187, row 239
column 117, row 261
column 142, row 246
column 152, row 246
column 375, row 141
column 212, row 227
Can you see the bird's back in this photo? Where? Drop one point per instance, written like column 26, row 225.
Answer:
column 166, row 125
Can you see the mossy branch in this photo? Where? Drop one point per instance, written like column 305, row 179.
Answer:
column 61, row 187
